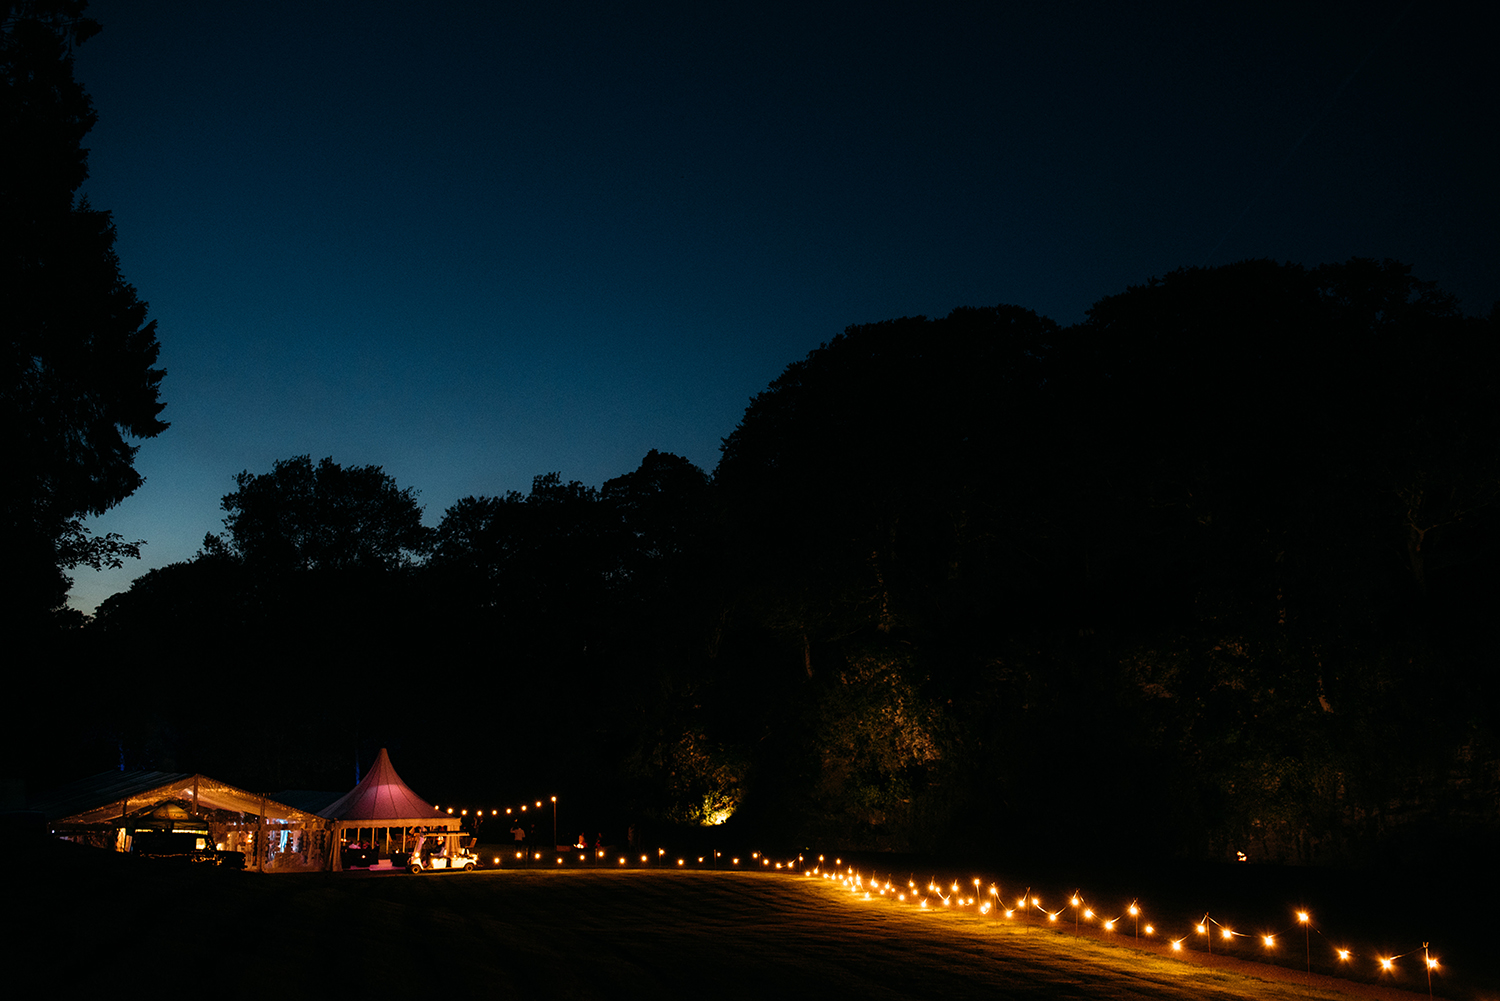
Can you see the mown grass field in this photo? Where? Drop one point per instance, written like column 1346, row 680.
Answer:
column 112, row 925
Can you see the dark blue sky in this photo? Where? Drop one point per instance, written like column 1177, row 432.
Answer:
column 472, row 243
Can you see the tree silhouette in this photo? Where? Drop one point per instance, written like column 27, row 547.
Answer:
column 325, row 517
column 77, row 373
column 884, row 499
column 1232, row 529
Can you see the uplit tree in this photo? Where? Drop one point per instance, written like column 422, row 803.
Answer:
column 76, row 375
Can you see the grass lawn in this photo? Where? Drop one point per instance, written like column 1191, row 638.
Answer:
column 103, row 922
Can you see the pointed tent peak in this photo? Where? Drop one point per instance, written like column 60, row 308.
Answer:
column 382, row 764
column 382, row 799
column 381, row 772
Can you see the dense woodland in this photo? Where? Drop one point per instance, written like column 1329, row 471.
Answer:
column 1211, row 572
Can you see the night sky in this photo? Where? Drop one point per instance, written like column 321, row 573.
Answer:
column 473, row 243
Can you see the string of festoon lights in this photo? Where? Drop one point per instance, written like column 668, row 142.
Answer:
column 987, row 899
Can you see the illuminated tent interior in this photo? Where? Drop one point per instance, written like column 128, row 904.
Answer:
column 107, row 809
column 382, row 802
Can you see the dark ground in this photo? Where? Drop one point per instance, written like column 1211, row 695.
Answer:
column 91, row 920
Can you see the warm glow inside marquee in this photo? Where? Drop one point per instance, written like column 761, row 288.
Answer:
column 109, row 797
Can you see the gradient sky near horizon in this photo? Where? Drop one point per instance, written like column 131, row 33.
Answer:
column 476, row 242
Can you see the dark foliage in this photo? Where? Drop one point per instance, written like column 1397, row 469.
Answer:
column 324, row 517
column 1181, row 563
column 1209, row 572
column 76, row 374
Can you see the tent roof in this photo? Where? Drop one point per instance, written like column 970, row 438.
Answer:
column 382, row 800
column 104, row 797
column 310, row 800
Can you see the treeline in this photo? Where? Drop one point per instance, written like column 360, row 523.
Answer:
column 1212, row 571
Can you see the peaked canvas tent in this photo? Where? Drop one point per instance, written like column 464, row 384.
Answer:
column 382, row 801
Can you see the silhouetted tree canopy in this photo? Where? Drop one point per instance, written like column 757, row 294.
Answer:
column 1192, row 532
column 324, row 517
column 1217, row 562
column 77, row 375
column 857, row 479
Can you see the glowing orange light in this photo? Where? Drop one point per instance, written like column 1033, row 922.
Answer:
column 622, row 859
column 1302, row 916
column 1343, row 953
column 1052, row 917
column 679, row 861
column 1385, row 964
column 1150, row 929
column 1088, row 912
column 1134, row 910
column 1431, row 963
column 1227, row 933
column 643, row 858
column 1202, row 930
column 1177, row 946
column 1109, row 926
column 1074, row 901
column 1269, row 940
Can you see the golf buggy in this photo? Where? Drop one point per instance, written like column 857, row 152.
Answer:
column 442, row 851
